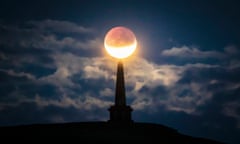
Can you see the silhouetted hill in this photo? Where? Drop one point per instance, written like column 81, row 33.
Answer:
column 98, row 132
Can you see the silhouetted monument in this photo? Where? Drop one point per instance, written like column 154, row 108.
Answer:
column 120, row 112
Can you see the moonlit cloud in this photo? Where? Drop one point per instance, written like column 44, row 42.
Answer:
column 144, row 73
column 186, row 52
column 187, row 97
column 95, row 73
column 107, row 92
column 20, row 74
column 68, row 65
column 88, row 103
column 177, row 96
column 143, row 102
column 59, row 78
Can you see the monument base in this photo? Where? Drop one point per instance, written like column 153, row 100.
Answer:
column 120, row 114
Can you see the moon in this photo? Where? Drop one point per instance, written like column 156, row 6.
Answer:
column 120, row 42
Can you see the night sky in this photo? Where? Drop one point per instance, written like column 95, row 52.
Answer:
column 185, row 73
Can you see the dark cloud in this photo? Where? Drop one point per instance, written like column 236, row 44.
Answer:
column 30, row 113
column 46, row 36
column 60, row 26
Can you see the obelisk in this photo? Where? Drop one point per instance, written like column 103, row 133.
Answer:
column 120, row 112
column 120, row 42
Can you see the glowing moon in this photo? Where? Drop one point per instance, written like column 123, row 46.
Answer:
column 120, row 42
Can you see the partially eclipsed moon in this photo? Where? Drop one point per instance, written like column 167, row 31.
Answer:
column 120, row 42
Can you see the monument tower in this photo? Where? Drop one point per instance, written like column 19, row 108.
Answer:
column 120, row 42
column 120, row 112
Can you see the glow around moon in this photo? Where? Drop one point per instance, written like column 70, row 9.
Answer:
column 120, row 42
